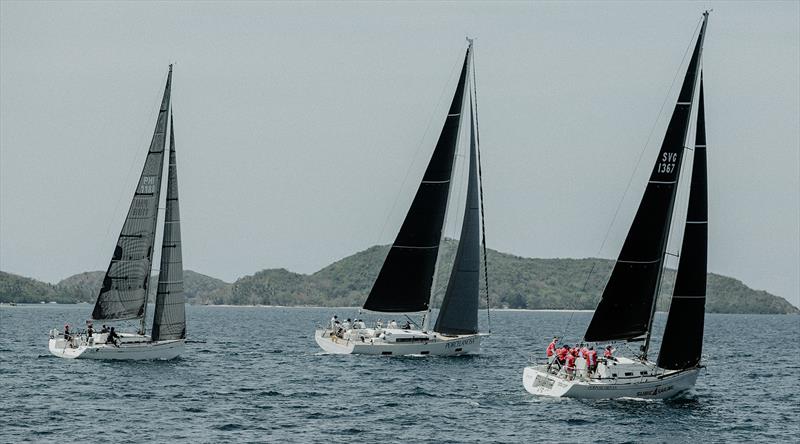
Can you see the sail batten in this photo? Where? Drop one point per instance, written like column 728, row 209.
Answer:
column 627, row 306
column 123, row 294
column 682, row 344
column 169, row 319
column 406, row 277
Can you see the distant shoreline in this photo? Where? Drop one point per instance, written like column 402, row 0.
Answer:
column 542, row 310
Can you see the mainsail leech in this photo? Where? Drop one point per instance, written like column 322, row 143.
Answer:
column 124, row 291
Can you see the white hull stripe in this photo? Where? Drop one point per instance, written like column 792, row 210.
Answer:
column 435, row 181
column 640, row 262
column 662, row 182
column 697, row 222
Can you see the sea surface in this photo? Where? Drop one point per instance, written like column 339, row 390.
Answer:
column 255, row 374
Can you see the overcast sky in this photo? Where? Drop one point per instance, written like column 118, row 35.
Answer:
column 303, row 128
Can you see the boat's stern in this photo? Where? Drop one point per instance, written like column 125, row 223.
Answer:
column 538, row 381
column 63, row 348
column 332, row 343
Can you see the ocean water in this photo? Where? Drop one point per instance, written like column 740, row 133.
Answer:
column 257, row 376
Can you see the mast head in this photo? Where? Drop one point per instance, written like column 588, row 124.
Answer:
column 170, row 67
column 470, row 41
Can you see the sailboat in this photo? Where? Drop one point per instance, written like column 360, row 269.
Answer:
column 125, row 287
column 406, row 279
column 628, row 304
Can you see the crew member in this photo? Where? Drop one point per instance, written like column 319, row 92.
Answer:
column 112, row 337
column 561, row 354
column 570, row 365
column 551, row 348
column 591, row 360
column 334, row 321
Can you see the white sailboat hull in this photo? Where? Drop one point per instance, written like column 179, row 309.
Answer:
column 130, row 347
column 433, row 345
column 659, row 384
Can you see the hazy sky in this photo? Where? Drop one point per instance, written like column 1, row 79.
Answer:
column 303, row 128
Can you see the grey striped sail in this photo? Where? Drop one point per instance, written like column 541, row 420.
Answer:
column 169, row 320
column 683, row 336
column 405, row 280
column 626, row 309
column 123, row 294
column 458, row 314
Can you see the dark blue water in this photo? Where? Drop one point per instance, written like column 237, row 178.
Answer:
column 259, row 377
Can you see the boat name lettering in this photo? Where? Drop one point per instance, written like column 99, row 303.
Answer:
column 460, row 343
column 655, row 391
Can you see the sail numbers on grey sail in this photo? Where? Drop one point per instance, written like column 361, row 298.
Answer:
column 124, row 291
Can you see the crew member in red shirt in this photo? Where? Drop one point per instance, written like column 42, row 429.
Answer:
column 570, row 365
column 561, row 354
column 591, row 359
column 552, row 347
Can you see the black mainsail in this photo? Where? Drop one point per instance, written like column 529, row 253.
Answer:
column 683, row 336
column 458, row 314
column 169, row 320
column 123, row 294
column 405, row 280
column 627, row 306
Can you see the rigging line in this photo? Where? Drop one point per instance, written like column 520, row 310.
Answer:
column 644, row 148
column 480, row 186
column 416, row 152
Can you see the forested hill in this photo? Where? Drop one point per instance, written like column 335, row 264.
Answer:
column 515, row 282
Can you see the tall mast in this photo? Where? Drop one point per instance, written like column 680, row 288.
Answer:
column 164, row 110
column 626, row 309
column 427, row 319
column 686, row 93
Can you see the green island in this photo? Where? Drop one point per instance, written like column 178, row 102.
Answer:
column 514, row 282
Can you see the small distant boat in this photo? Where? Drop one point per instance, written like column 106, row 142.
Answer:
column 627, row 308
column 406, row 280
column 124, row 291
